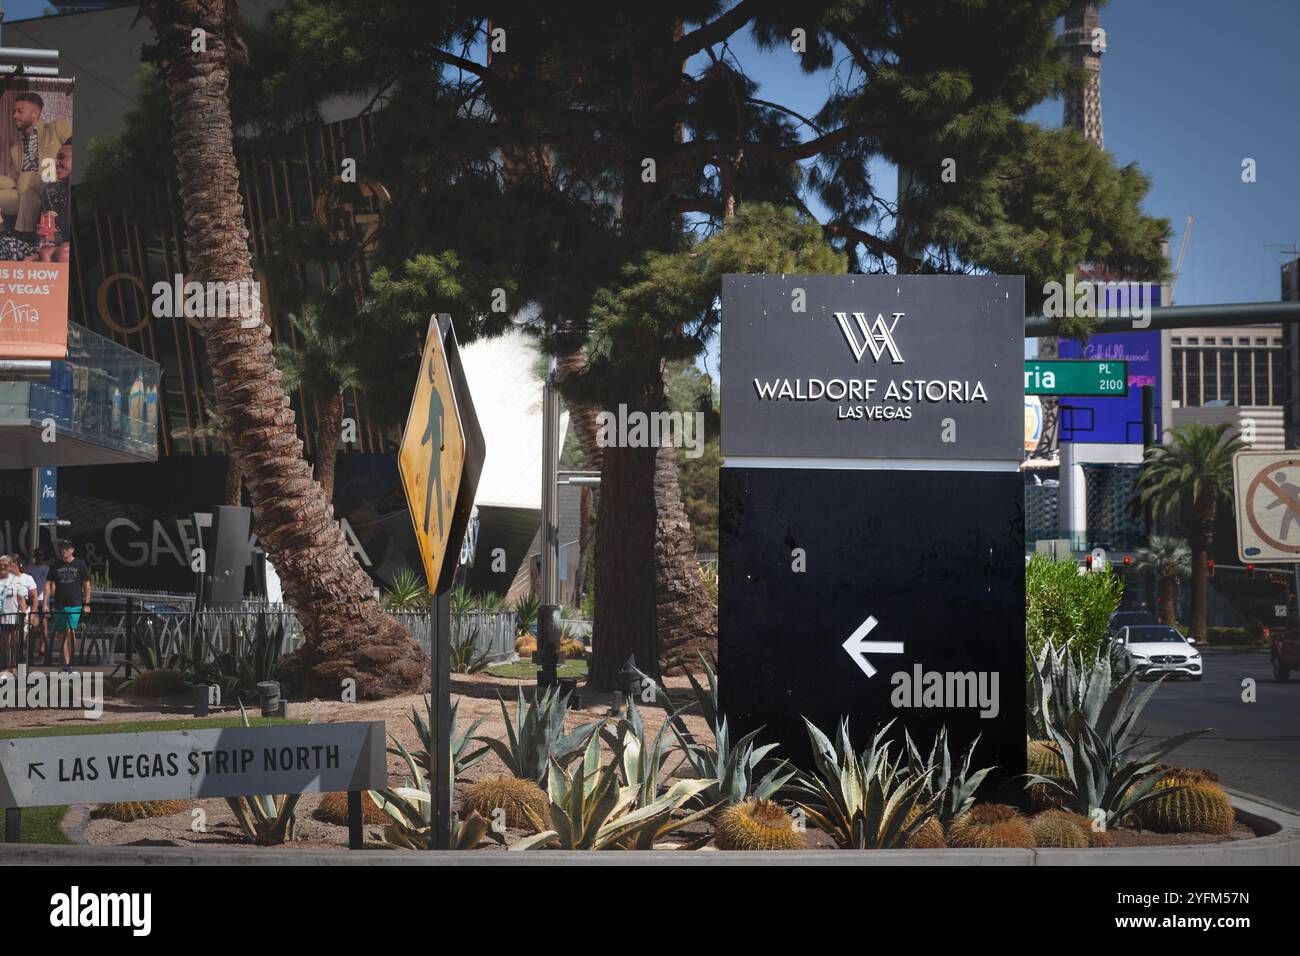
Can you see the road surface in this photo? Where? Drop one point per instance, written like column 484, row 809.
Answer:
column 1254, row 747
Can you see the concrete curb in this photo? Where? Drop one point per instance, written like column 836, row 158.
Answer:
column 1280, row 846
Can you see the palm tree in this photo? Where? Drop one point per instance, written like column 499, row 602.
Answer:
column 1171, row 560
column 349, row 637
column 210, row 430
column 323, row 366
column 1187, row 477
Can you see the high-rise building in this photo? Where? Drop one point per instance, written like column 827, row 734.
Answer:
column 1291, row 357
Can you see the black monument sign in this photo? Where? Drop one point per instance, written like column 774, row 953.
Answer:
column 872, row 523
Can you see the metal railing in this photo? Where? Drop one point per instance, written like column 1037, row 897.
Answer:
column 134, row 631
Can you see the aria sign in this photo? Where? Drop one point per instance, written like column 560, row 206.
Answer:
column 830, row 366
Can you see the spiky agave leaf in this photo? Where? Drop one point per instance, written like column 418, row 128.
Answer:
column 536, row 735
column 952, row 785
column 589, row 810
column 862, row 801
column 1103, row 769
column 733, row 767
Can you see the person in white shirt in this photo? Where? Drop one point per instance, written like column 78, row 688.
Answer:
column 13, row 608
column 33, row 592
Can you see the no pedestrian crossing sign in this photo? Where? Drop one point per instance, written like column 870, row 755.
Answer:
column 1266, row 486
column 178, row 764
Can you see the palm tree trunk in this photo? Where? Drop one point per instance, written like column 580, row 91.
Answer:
column 1168, row 608
column 1196, row 626
column 234, row 481
column 327, row 444
column 348, row 637
column 687, row 618
column 582, row 419
column 1201, row 536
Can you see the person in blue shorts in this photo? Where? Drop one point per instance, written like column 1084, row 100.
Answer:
column 68, row 589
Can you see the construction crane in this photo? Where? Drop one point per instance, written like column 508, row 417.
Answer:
column 1182, row 251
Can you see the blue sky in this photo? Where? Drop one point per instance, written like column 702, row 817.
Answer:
column 1189, row 89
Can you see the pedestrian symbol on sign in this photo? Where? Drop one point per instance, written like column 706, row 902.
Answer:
column 433, row 438
column 1288, row 496
column 1267, row 498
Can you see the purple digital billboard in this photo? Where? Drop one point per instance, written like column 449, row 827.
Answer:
column 1112, row 420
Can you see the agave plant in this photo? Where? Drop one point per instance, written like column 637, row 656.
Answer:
column 462, row 602
column 535, row 737
column 462, row 757
column 254, row 658
column 952, row 786
column 411, row 810
column 1060, row 683
column 491, row 601
column 464, row 660
column 862, row 801
column 266, row 820
column 705, row 703
column 407, row 589
column 639, row 761
column 734, row 767
column 1105, row 772
column 526, row 610
column 589, row 810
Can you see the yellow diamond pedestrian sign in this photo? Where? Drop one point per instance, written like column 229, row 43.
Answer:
column 440, row 440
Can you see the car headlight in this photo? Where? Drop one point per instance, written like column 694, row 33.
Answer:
column 1139, row 657
column 1194, row 656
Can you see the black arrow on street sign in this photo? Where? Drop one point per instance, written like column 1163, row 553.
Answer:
column 35, row 766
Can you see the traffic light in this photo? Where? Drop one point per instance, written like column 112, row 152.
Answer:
column 1087, row 563
column 1250, row 571
column 1128, row 559
column 1209, row 568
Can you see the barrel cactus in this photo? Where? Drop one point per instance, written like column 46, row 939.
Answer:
column 141, row 809
column 990, row 826
column 1056, row 828
column 333, row 808
column 515, row 796
column 158, row 683
column 1193, row 802
column 1044, row 757
column 757, row 825
column 929, row 836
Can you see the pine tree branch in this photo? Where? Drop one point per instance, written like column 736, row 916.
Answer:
column 716, row 30
column 461, row 63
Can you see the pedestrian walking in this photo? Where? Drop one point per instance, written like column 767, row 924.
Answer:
column 67, row 589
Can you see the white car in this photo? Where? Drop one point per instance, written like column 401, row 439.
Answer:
column 1156, row 649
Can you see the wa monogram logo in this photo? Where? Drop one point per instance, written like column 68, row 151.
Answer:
column 878, row 337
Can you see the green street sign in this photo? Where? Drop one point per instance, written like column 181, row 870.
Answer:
column 1076, row 377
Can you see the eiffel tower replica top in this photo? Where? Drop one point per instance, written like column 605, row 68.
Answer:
column 1085, row 42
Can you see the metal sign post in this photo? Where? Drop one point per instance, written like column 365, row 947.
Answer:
column 440, row 459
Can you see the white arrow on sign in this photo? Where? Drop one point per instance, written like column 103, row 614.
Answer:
column 857, row 646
